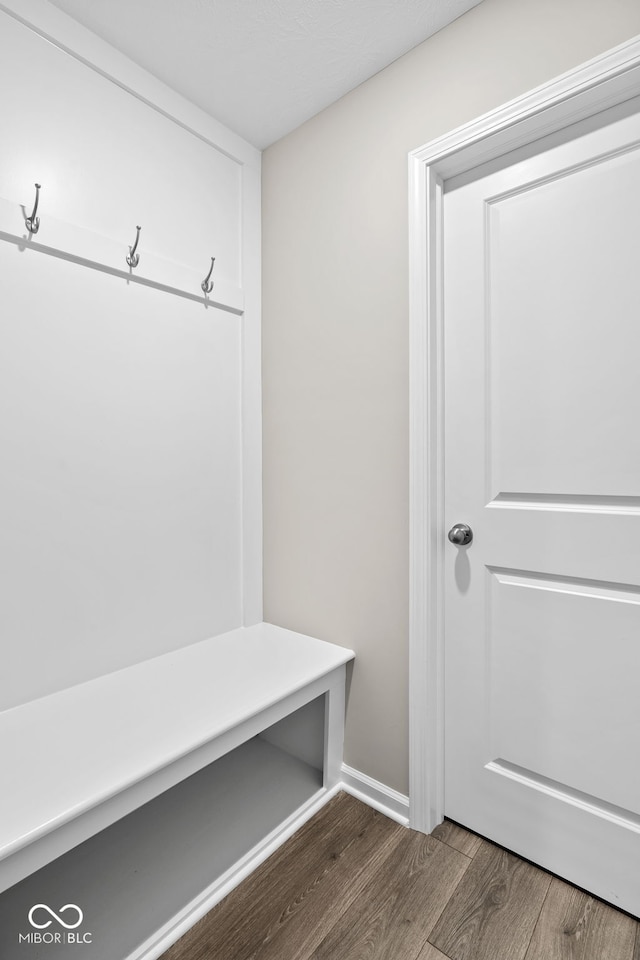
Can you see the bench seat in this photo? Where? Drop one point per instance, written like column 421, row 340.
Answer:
column 78, row 760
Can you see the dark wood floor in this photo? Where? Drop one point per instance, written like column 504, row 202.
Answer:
column 353, row 885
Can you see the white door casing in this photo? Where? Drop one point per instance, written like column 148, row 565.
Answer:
column 579, row 515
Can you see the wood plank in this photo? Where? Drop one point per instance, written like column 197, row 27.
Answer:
column 636, row 953
column 399, row 906
column 309, row 917
column 575, row 926
column 429, row 952
column 236, row 927
column 493, row 913
column 457, row 837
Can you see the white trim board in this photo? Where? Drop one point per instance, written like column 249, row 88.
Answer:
column 603, row 82
column 375, row 794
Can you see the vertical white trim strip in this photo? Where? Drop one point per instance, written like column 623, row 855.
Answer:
column 251, row 398
column 425, row 680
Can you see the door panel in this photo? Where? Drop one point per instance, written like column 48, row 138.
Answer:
column 542, row 459
column 552, row 713
column 578, row 231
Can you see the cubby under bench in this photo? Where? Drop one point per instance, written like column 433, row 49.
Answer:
column 143, row 796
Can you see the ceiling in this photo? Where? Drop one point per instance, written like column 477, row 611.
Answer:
column 263, row 67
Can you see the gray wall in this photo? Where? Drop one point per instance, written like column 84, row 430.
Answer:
column 335, row 337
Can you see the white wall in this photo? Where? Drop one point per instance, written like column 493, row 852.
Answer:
column 129, row 414
column 335, row 335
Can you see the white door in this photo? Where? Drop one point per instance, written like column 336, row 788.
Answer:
column 542, row 454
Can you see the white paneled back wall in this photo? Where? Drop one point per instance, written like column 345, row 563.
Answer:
column 129, row 410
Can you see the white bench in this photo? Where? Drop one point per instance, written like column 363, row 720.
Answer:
column 230, row 744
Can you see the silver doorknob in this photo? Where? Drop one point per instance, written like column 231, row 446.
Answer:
column 461, row 534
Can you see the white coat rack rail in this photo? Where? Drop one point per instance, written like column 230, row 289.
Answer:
column 35, row 233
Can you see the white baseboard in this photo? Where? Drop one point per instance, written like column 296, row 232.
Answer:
column 377, row 795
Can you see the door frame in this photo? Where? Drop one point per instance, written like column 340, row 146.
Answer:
column 603, row 82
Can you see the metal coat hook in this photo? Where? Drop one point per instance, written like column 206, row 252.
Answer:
column 134, row 258
column 207, row 283
column 32, row 223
